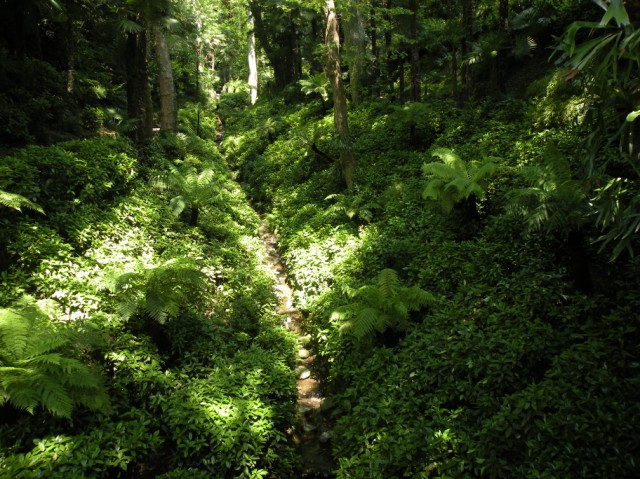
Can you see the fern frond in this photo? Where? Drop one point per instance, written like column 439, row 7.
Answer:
column 379, row 306
column 366, row 322
column 35, row 367
column 17, row 202
column 388, row 282
column 178, row 205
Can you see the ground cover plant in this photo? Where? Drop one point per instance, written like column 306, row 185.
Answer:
column 187, row 369
column 453, row 187
column 520, row 365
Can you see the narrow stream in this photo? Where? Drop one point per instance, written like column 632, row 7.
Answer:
column 311, row 433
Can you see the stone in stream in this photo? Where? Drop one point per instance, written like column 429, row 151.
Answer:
column 304, row 374
column 304, row 353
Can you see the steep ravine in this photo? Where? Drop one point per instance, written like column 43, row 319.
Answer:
column 311, row 433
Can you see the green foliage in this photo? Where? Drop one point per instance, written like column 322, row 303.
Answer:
column 555, row 200
column 354, row 206
column 376, row 307
column 455, row 180
column 35, row 367
column 316, row 83
column 193, row 188
column 17, row 202
column 160, row 291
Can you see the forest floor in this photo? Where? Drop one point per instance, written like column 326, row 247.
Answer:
column 311, row 432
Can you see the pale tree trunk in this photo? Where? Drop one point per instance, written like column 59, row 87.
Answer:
column 168, row 117
column 356, row 44
column 253, row 63
column 340, row 120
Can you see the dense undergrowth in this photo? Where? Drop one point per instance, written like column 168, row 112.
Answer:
column 171, row 363
column 525, row 363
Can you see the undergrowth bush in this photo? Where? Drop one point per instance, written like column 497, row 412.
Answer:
column 210, row 388
column 514, row 371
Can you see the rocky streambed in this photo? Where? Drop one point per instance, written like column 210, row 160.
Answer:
column 311, row 433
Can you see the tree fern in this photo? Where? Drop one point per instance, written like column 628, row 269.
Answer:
column 376, row 307
column 193, row 188
column 553, row 200
column 35, row 367
column 454, row 180
column 161, row 292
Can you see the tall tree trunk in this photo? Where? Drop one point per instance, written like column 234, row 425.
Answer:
column 467, row 22
column 70, row 54
column 138, row 94
column 500, row 61
column 390, row 67
column 454, row 72
column 282, row 51
column 355, row 42
column 334, row 73
column 168, row 117
column 375, row 53
column 253, row 63
column 416, row 85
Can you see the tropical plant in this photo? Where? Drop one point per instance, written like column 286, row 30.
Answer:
column 160, row 291
column 193, row 188
column 376, row 307
column 554, row 200
column 454, row 181
column 37, row 367
column 17, row 202
column 317, row 83
column 354, row 206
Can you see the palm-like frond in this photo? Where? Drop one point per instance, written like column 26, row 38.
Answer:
column 554, row 199
column 161, row 291
column 316, row 83
column 454, row 180
column 35, row 369
column 193, row 188
column 376, row 307
column 17, row 202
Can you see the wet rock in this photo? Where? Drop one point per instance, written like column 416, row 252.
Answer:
column 304, row 353
column 325, row 436
column 304, row 374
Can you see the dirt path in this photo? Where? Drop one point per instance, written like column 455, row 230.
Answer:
column 311, row 434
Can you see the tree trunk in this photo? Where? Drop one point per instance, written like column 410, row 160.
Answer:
column 416, row 86
column 467, row 21
column 138, row 94
column 501, row 67
column 340, row 119
column 253, row 63
column 168, row 116
column 70, row 54
column 375, row 53
column 356, row 49
column 454, row 72
column 282, row 51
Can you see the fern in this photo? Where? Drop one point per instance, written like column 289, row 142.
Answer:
column 17, row 202
column 192, row 188
column 161, row 292
column 376, row 307
column 354, row 206
column 454, row 180
column 553, row 200
column 35, row 367
column 316, row 83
